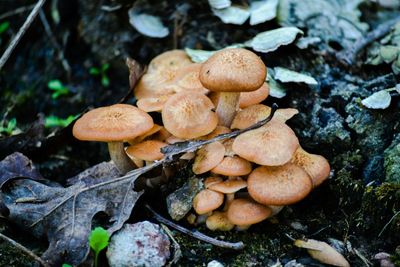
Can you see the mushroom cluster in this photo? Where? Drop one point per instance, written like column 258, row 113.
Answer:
column 255, row 174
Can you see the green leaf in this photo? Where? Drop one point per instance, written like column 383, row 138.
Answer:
column 105, row 81
column 98, row 239
column 55, row 85
column 94, row 71
column 105, row 67
column 4, row 26
column 54, row 121
column 66, row 265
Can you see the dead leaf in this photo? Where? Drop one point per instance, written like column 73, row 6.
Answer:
column 136, row 71
column 322, row 252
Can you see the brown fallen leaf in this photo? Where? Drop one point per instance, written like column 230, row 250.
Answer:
column 322, row 252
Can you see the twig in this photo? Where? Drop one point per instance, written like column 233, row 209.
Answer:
column 195, row 233
column 390, row 221
column 362, row 257
column 24, row 249
column 16, row 11
column 347, row 57
column 21, row 32
column 177, row 248
column 50, row 34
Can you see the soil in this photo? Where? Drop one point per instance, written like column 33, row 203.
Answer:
column 355, row 205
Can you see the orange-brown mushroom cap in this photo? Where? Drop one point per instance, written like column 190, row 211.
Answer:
column 246, row 212
column 219, row 221
column 207, row 200
column 208, row 157
column 282, row 185
column 315, row 165
column 149, row 150
column 232, row 166
column 251, row 98
column 114, row 123
column 212, row 180
column 187, row 80
column 189, row 115
column 272, row 144
column 152, row 104
column 233, row 70
column 229, row 186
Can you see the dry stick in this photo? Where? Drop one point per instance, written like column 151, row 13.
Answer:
column 16, row 11
column 195, row 233
column 21, row 32
column 50, row 34
column 390, row 221
column 347, row 57
column 24, row 249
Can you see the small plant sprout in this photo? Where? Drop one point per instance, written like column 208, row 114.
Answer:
column 4, row 26
column 102, row 72
column 58, row 89
column 54, row 121
column 10, row 128
column 98, row 240
column 66, row 265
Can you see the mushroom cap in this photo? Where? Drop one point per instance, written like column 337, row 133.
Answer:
column 212, row 180
column 114, row 123
column 315, row 165
column 233, row 70
column 149, row 150
column 219, row 221
column 232, row 166
column 189, row 115
column 251, row 98
column 152, row 104
column 187, row 80
column 217, row 131
column 207, row 200
column 258, row 112
column 229, row 186
column 208, row 157
column 272, row 144
column 156, row 128
column 172, row 60
column 243, row 211
column 282, row 185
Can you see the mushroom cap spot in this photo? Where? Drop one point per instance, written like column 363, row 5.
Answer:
column 315, row 165
column 152, row 104
column 212, row 180
column 149, row 150
column 187, row 80
column 246, row 212
column 258, row 112
column 189, row 115
column 251, row 98
column 229, row 186
column 219, row 221
column 208, row 157
column 233, row 166
column 233, row 70
column 207, row 200
column 282, row 185
column 114, row 123
column 272, row 144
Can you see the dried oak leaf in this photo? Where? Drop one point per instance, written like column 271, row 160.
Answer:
column 64, row 215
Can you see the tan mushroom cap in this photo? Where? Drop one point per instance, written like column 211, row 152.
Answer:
column 173, row 139
column 251, row 98
column 246, row 212
column 233, row 70
column 229, row 186
column 208, row 157
column 114, row 123
column 156, row 128
column 207, row 200
column 272, row 144
column 187, row 80
column 152, row 104
column 232, row 166
column 149, row 150
column 171, row 60
column 162, row 134
column 189, row 115
column 209, row 181
column 282, row 185
column 315, row 165
column 255, row 113
column 217, row 131
column 218, row 221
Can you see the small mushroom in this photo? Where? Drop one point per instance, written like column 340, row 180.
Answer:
column 187, row 80
column 208, row 157
column 156, row 128
column 114, row 125
column 229, row 186
column 209, row 181
column 218, row 221
column 152, row 104
column 244, row 212
column 207, row 200
column 230, row 72
column 281, row 185
column 232, row 166
column 255, row 97
column 149, row 150
column 189, row 115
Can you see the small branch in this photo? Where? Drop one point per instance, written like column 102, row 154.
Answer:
column 196, row 234
column 50, row 34
column 16, row 11
column 348, row 57
column 24, row 249
column 21, row 32
column 390, row 221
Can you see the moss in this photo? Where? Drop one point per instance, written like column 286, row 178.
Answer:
column 392, row 161
column 11, row 256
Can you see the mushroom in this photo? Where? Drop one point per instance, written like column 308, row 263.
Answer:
column 219, row 221
column 230, row 186
column 114, row 125
column 272, row 144
column 156, row 128
column 152, row 104
column 207, row 200
column 315, row 165
column 208, row 157
column 149, row 150
column 281, row 185
column 232, row 166
column 189, row 115
column 187, row 80
column 251, row 98
column 212, row 180
column 245, row 212
column 231, row 71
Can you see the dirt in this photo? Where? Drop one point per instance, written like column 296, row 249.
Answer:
column 355, row 205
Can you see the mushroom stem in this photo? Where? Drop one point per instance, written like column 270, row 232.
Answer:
column 119, row 157
column 229, row 198
column 228, row 104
